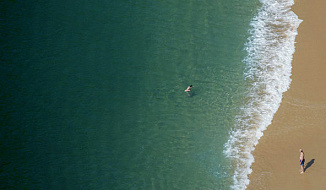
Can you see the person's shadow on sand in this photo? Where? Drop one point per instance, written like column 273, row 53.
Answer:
column 310, row 163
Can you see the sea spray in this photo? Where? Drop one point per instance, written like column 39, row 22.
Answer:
column 269, row 48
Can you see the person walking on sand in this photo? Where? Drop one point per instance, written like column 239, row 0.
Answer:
column 302, row 160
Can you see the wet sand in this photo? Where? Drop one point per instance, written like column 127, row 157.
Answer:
column 300, row 121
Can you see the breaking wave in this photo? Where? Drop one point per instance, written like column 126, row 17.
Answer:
column 270, row 49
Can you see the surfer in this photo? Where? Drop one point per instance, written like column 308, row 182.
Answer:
column 188, row 88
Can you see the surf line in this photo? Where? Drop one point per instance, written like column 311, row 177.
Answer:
column 270, row 49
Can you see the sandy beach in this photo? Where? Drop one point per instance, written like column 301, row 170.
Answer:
column 300, row 121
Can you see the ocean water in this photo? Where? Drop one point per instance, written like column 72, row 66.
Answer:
column 92, row 92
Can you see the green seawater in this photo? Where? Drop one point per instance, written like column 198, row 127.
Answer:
column 92, row 92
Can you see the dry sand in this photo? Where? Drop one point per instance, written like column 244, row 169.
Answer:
column 300, row 121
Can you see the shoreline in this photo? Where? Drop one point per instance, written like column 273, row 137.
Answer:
column 300, row 120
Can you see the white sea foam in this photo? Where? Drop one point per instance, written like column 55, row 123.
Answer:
column 270, row 48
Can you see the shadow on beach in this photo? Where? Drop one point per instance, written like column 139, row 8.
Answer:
column 309, row 164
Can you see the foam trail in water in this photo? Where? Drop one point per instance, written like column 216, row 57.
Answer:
column 269, row 55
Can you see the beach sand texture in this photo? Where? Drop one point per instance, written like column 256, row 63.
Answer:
column 300, row 121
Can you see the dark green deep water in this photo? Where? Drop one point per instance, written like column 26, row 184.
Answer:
column 92, row 92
